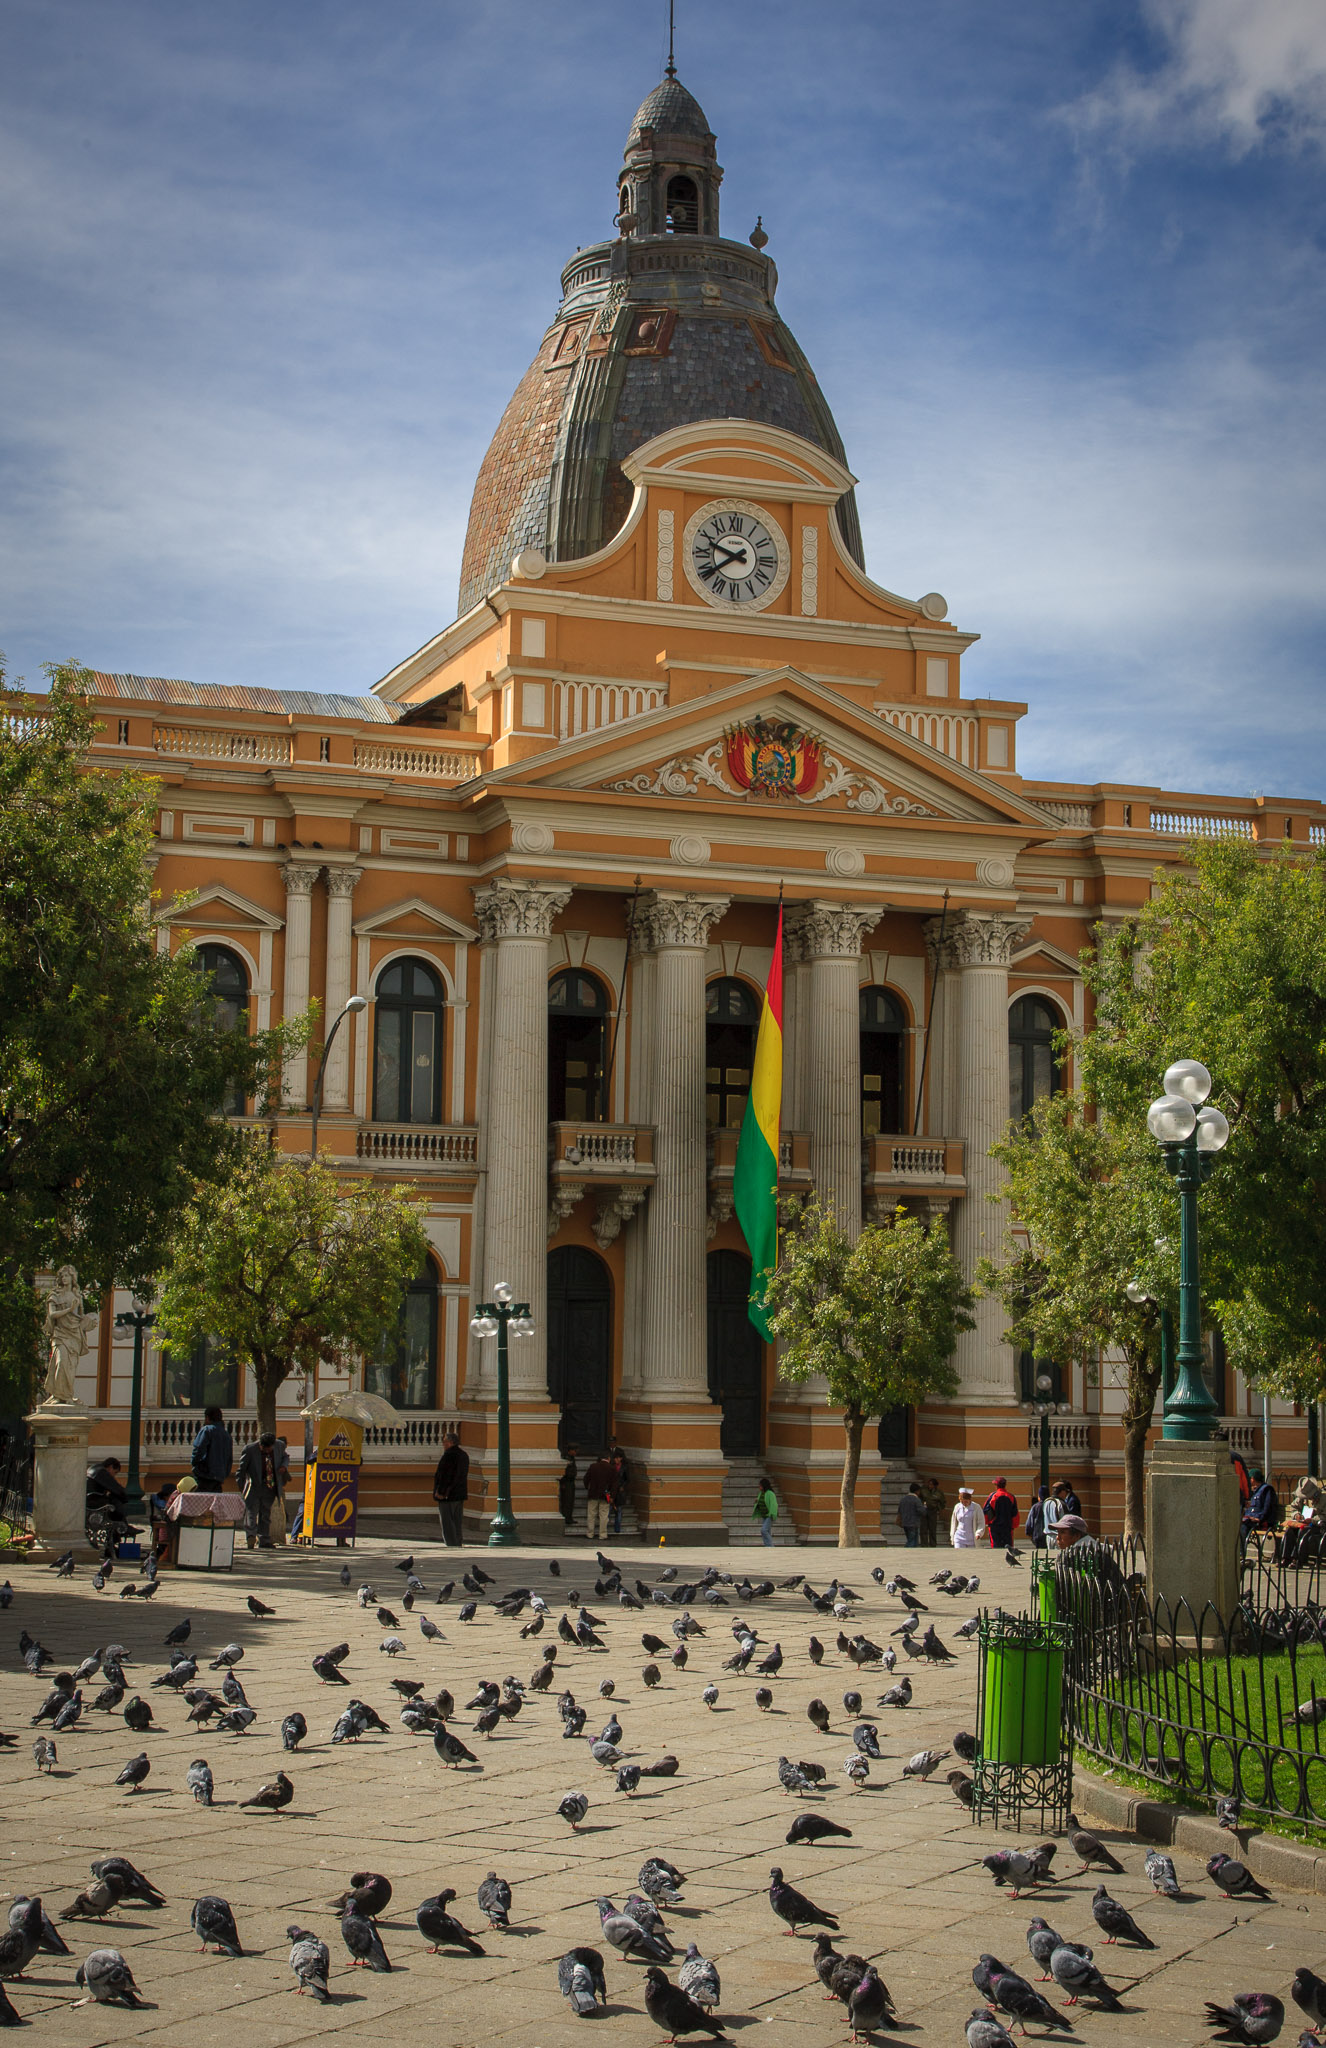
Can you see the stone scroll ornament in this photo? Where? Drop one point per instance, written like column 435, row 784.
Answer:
column 67, row 1329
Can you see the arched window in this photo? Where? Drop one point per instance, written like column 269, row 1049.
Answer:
column 683, row 207
column 404, row 1371
column 228, row 984
column 731, row 1018
column 577, row 1046
column 407, row 1044
column 882, row 1027
column 203, row 1378
column 1034, row 1068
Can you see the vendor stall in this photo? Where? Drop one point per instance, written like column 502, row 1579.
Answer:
column 202, row 1530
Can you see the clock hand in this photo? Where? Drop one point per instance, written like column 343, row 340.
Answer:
column 730, row 555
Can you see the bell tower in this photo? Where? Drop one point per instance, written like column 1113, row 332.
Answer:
column 669, row 177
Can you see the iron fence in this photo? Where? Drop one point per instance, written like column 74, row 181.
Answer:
column 1204, row 1705
column 16, row 1480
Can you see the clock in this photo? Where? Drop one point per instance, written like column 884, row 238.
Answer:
column 735, row 555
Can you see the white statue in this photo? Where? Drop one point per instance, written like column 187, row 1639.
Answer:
column 67, row 1330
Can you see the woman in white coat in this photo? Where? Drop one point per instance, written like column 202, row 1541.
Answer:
column 967, row 1526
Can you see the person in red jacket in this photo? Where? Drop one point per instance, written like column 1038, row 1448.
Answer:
column 1001, row 1513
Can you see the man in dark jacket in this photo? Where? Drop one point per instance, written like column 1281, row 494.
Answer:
column 598, row 1487
column 257, row 1483
column 451, row 1484
column 212, row 1453
column 1001, row 1512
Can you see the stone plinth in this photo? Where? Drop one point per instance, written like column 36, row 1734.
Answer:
column 1192, row 1521
column 59, row 1490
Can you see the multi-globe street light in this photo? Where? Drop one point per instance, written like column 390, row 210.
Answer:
column 496, row 1318
column 1191, row 1132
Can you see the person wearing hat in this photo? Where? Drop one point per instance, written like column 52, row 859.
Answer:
column 967, row 1526
column 1070, row 1529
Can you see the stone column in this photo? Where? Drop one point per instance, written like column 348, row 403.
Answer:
column 942, row 1052
column 982, row 947
column 515, row 918
column 340, row 894
column 830, row 935
column 299, row 880
column 59, row 1488
column 676, row 929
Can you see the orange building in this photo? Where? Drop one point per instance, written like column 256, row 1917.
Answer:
column 548, row 849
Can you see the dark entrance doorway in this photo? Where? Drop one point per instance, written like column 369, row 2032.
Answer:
column 736, row 1355
column 580, row 1347
column 893, row 1433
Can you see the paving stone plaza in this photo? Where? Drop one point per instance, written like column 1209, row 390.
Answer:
column 908, row 1889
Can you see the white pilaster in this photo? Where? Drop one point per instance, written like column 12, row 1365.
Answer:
column 830, row 935
column 341, row 882
column 515, row 918
column 299, row 879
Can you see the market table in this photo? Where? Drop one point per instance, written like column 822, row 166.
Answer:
column 203, row 1538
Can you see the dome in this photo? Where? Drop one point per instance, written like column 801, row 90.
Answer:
column 670, row 110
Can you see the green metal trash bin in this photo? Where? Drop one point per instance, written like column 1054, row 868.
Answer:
column 1046, row 1587
column 1024, row 1753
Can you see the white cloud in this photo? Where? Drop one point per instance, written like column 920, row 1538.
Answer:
column 1234, row 71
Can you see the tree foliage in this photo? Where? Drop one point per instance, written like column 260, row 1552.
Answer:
column 876, row 1319
column 1091, row 1208
column 111, row 1072
column 286, row 1268
column 1227, row 964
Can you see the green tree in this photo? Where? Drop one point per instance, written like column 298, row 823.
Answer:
column 285, row 1267
column 877, row 1319
column 1091, row 1208
column 111, row 1072
column 1227, row 964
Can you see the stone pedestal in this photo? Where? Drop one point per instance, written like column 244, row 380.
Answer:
column 59, row 1492
column 1192, row 1521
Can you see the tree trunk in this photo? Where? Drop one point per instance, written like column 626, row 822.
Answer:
column 854, row 1423
column 1143, row 1382
column 269, row 1374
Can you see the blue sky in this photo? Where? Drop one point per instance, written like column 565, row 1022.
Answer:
column 269, row 275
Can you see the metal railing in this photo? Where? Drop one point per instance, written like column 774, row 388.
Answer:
column 16, row 1480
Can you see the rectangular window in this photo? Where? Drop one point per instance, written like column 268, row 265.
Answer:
column 533, row 638
column 421, row 1067
column 936, row 675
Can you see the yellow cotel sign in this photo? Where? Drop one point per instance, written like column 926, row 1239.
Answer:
column 331, row 1482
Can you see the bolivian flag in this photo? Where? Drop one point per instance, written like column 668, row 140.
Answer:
column 755, row 1181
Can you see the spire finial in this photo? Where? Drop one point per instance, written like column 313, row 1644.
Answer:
column 672, row 34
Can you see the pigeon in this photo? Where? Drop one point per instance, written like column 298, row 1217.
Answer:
column 924, row 1763
column 441, row 1929
column 791, row 1776
column 293, row 1730
column 137, row 1715
column 495, row 1901
column 1250, row 2016
column 669, row 2006
column 624, row 1932
column 646, row 1914
column 985, row 2031
column 107, row 1978
column 710, row 1697
column 1235, row 1880
column 815, row 1650
column 213, row 1922
column 964, row 1745
column 961, row 1787
column 362, row 1940
column 181, row 1632
column 135, row 1771
column 1091, row 1849
column 628, row 1778
column 1042, row 1941
column 237, row 1720
column 132, row 1883
column 857, row 1768
column 852, row 1705
column 899, row 1695
column 224, row 1659
column 1024, row 2002
column 770, row 1666
column 450, row 1749
column 935, row 1651
column 108, row 1699
column 44, row 1754
column 329, row 1671
column 818, row 1716
column 866, row 1738
column 813, row 1827
column 661, row 1881
column 50, row 1940
column 1160, row 1870
column 198, row 1778
column 573, row 1809
column 94, row 1902
column 666, row 1767
column 1228, row 1807
column 310, row 1959
column 272, row 1796
column 794, row 1907
column 580, row 1976
column 1308, row 1992
column 869, row 2004
column 1115, row 1921
column 369, row 1894
column 699, row 1979
column 1074, row 1972
column 21, row 1940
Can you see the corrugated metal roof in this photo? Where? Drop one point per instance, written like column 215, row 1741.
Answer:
column 238, row 697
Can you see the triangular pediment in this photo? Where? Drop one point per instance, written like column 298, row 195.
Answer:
column 1040, row 957
column 861, row 766
column 412, row 918
column 222, row 906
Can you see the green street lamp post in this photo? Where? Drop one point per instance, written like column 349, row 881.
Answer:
column 138, row 1319
column 494, row 1319
column 352, row 1008
column 1045, row 1409
column 1190, row 1132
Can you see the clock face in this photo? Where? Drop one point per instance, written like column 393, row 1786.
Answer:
column 735, row 556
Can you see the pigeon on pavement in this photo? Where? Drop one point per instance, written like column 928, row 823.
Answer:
column 1074, row 1972
column 213, row 1922
column 813, row 1827
column 441, row 1929
column 1115, row 1922
column 1092, row 1851
column 794, row 1907
column 107, row 1978
column 310, row 1958
column 135, row 1771
column 363, row 1941
column 699, row 1979
column 1235, row 1880
column 1253, row 2016
column 1164, row 1879
column 580, row 1975
column 625, row 1933
column 669, row 2006
column 198, row 1778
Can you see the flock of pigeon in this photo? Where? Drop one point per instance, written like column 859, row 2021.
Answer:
column 689, row 2001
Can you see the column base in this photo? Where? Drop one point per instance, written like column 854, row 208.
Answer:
column 1192, row 1523
column 536, row 1467
column 59, row 1490
column 677, row 1468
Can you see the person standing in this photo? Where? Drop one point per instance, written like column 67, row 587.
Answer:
column 765, row 1510
column 566, row 1487
column 1036, row 1518
column 968, row 1523
column 212, row 1453
column 1001, row 1513
column 932, row 1493
column 912, row 1515
column 257, row 1483
column 618, row 1490
column 598, row 1484
column 451, row 1486
column 1069, row 1504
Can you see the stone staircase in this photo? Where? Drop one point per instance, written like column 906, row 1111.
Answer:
column 740, row 1487
column 898, row 1476
column 630, row 1520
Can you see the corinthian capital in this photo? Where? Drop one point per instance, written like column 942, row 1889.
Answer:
column 518, row 910
column 939, row 943
column 677, row 920
column 343, row 881
column 831, row 931
column 299, row 878
column 980, row 941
